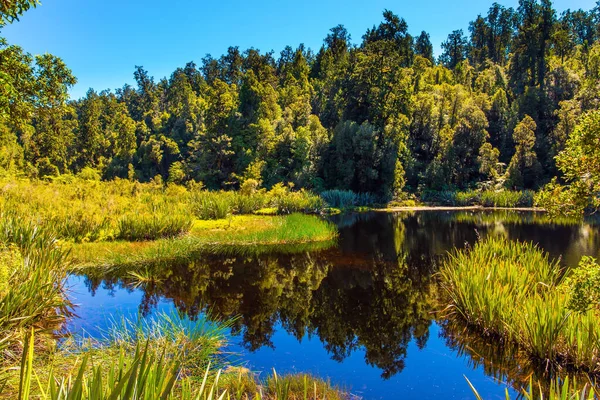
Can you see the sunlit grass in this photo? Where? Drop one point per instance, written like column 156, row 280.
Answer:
column 512, row 291
column 237, row 234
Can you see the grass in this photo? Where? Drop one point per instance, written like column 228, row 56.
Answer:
column 90, row 211
column 237, row 234
column 165, row 358
column 33, row 294
column 511, row 291
column 218, row 205
column 347, row 199
column 559, row 390
column 486, row 198
column 136, row 227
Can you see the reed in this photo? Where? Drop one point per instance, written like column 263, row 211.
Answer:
column 511, row 291
column 136, row 227
column 486, row 198
column 559, row 390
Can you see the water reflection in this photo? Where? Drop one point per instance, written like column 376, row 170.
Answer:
column 374, row 291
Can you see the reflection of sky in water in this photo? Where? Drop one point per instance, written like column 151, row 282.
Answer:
column 356, row 272
column 434, row 372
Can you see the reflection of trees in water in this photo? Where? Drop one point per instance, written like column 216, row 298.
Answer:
column 370, row 302
column 374, row 291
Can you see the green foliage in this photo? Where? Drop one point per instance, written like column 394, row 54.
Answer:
column 380, row 117
column 583, row 284
column 580, row 164
column 11, row 10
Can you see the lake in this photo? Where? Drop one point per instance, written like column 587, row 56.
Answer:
column 362, row 313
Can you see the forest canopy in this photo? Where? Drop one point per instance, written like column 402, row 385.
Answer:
column 380, row 115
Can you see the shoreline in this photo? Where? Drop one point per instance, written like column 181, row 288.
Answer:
column 458, row 208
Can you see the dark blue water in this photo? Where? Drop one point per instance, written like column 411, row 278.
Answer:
column 360, row 313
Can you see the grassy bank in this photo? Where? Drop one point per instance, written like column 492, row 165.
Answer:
column 511, row 291
column 91, row 211
column 235, row 235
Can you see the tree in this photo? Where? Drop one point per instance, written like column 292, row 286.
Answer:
column 423, row 46
column 455, row 49
column 11, row 10
column 524, row 169
column 580, row 164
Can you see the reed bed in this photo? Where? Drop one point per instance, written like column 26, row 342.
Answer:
column 512, row 291
column 486, row 198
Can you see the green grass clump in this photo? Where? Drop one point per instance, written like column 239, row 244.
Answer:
column 468, row 198
column 511, row 291
column 507, row 198
column 339, row 198
column 212, row 205
column 559, row 390
column 135, row 227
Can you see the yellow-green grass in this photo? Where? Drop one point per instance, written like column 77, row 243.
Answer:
column 512, row 291
column 231, row 235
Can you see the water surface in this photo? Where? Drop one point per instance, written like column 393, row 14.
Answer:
column 361, row 313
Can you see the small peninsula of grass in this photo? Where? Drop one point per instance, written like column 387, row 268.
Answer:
column 236, row 234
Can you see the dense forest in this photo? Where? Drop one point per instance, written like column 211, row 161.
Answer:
column 380, row 115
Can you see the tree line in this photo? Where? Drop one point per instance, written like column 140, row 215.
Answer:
column 380, row 115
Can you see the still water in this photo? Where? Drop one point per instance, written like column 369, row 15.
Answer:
column 361, row 313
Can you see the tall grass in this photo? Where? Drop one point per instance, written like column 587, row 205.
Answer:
column 136, row 227
column 82, row 211
column 559, row 390
column 486, row 198
column 150, row 372
column 511, row 291
column 347, row 199
column 218, row 205
column 33, row 295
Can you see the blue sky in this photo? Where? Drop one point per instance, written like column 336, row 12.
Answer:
column 102, row 40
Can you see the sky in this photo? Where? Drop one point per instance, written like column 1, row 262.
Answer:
column 103, row 40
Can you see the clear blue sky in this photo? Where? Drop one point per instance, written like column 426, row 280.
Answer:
column 102, row 40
